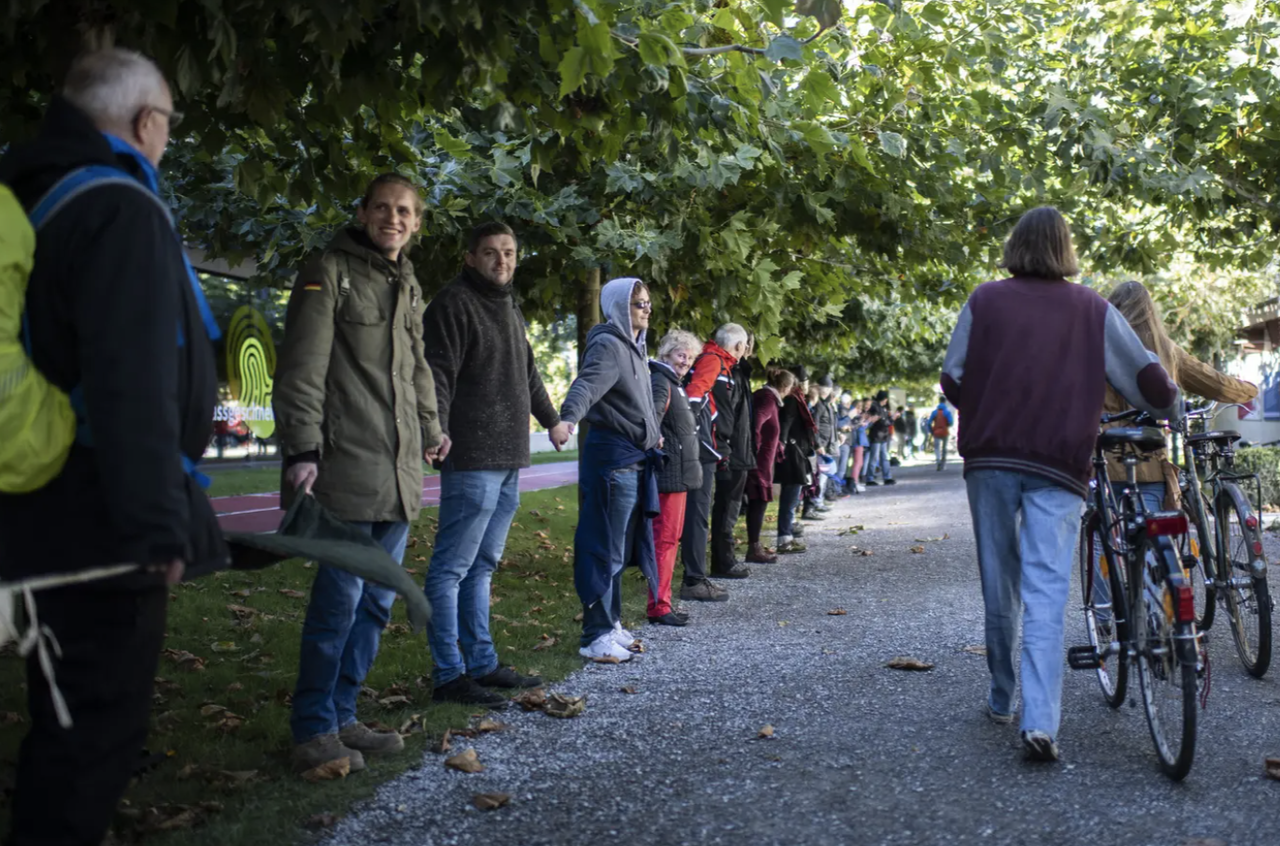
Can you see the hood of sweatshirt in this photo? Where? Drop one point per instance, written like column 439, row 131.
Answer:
column 615, row 305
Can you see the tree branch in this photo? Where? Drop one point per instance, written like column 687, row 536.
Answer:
column 725, row 48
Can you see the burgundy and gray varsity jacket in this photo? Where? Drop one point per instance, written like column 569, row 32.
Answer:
column 1028, row 367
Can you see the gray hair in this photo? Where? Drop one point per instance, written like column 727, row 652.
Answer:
column 678, row 339
column 730, row 335
column 111, row 86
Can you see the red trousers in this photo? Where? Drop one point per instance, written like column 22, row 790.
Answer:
column 667, row 528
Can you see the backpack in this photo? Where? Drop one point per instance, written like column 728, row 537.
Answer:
column 39, row 422
column 941, row 428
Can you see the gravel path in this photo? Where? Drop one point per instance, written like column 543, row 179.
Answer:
column 861, row 754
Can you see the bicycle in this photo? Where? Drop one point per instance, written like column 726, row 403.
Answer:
column 1232, row 569
column 1139, row 606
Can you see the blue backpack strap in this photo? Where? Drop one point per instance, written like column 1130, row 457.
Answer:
column 55, row 199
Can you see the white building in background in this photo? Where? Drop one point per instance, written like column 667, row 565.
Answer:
column 1257, row 361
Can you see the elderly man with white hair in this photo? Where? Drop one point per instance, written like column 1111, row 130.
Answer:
column 116, row 318
column 719, row 391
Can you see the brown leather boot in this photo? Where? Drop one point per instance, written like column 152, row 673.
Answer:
column 757, row 554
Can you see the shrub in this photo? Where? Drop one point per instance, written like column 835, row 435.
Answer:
column 1265, row 461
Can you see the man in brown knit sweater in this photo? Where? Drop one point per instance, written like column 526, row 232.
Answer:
column 487, row 385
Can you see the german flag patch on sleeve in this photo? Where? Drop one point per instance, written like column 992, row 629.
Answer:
column 312, row 286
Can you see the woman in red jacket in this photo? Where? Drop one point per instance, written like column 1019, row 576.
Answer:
column 766, row 402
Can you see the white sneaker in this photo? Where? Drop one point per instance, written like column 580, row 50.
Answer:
column 861, row 488
column 621, row 636
column 605, row 647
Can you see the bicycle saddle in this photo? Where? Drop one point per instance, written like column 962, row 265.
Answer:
column 1144, row 439
column 1224, row 435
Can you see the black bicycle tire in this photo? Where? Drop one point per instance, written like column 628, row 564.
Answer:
column 1114, row 691
column 1175, row 766
column 1231, row 497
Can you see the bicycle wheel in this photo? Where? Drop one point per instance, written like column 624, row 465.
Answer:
column 1097, row 589
column 1248, row 600
column 1200, row 543
column 1166, row 658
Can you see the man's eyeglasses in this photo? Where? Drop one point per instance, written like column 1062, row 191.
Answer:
column 174, row 116
column 643, row 305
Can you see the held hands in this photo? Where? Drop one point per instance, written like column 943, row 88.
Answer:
column 302, row 476
column 439, row 452
column 560, row 434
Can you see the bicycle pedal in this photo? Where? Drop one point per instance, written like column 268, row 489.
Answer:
column 1083, row 658
column 1190, row 562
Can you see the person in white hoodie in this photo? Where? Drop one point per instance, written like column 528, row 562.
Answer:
column 620, row 460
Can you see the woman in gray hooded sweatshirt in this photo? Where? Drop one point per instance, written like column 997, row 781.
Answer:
column 618, row 473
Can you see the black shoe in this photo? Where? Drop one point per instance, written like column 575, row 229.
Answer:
column 891, row 481
column 465, row 691
column 671, row 618
column 507, row 677
column 871, row 483
column 737, row 571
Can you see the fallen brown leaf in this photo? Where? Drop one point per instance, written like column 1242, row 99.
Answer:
column 487, row 725
column 413, row 725
column 903, row 662
column 578, row 618
column 546, row 643
column 975, row 649
column 185, row 660
column 564, row 707
column 917, row 549
column 328, row 771
column 225, row 646
column 242, row 594
column 210, row 710
column 319, row 821
column 292, row 594
column 608, row 659
column 628, row 689
column 531, row 700
column 235, row 687
column 490, row 801
column 397, row 628
column 393, row 701
column 837, row 612
column 466, row 761
column 443, row 745
column 242, row 612
column 766, row 732
column 1273, row 768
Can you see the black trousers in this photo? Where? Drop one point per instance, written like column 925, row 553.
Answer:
column 697, row 514
column 730, row 485
column 755, row 519
column 69, row 781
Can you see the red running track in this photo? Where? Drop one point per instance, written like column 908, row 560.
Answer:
column 261, row 512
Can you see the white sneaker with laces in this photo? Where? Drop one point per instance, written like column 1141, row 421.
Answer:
column 605, row 647
column 621, row 636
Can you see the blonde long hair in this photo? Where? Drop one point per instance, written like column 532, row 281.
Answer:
column 1133, row 300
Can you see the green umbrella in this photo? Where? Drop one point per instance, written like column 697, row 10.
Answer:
column 309, row 531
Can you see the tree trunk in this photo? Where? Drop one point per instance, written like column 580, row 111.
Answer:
column 588, row 317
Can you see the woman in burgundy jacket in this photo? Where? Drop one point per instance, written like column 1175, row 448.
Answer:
column 766, row 402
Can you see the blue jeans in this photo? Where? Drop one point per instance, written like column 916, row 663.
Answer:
column 476, row 508
column 1026, row 529
column 624, row 520
column 788, row 499
column 344, row 623
column 842, row 461
column 879, row 456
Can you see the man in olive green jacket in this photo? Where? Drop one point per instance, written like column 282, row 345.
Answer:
column 355, row 408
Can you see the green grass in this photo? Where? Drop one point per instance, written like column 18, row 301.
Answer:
column 252, row 480
column 250, row 658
